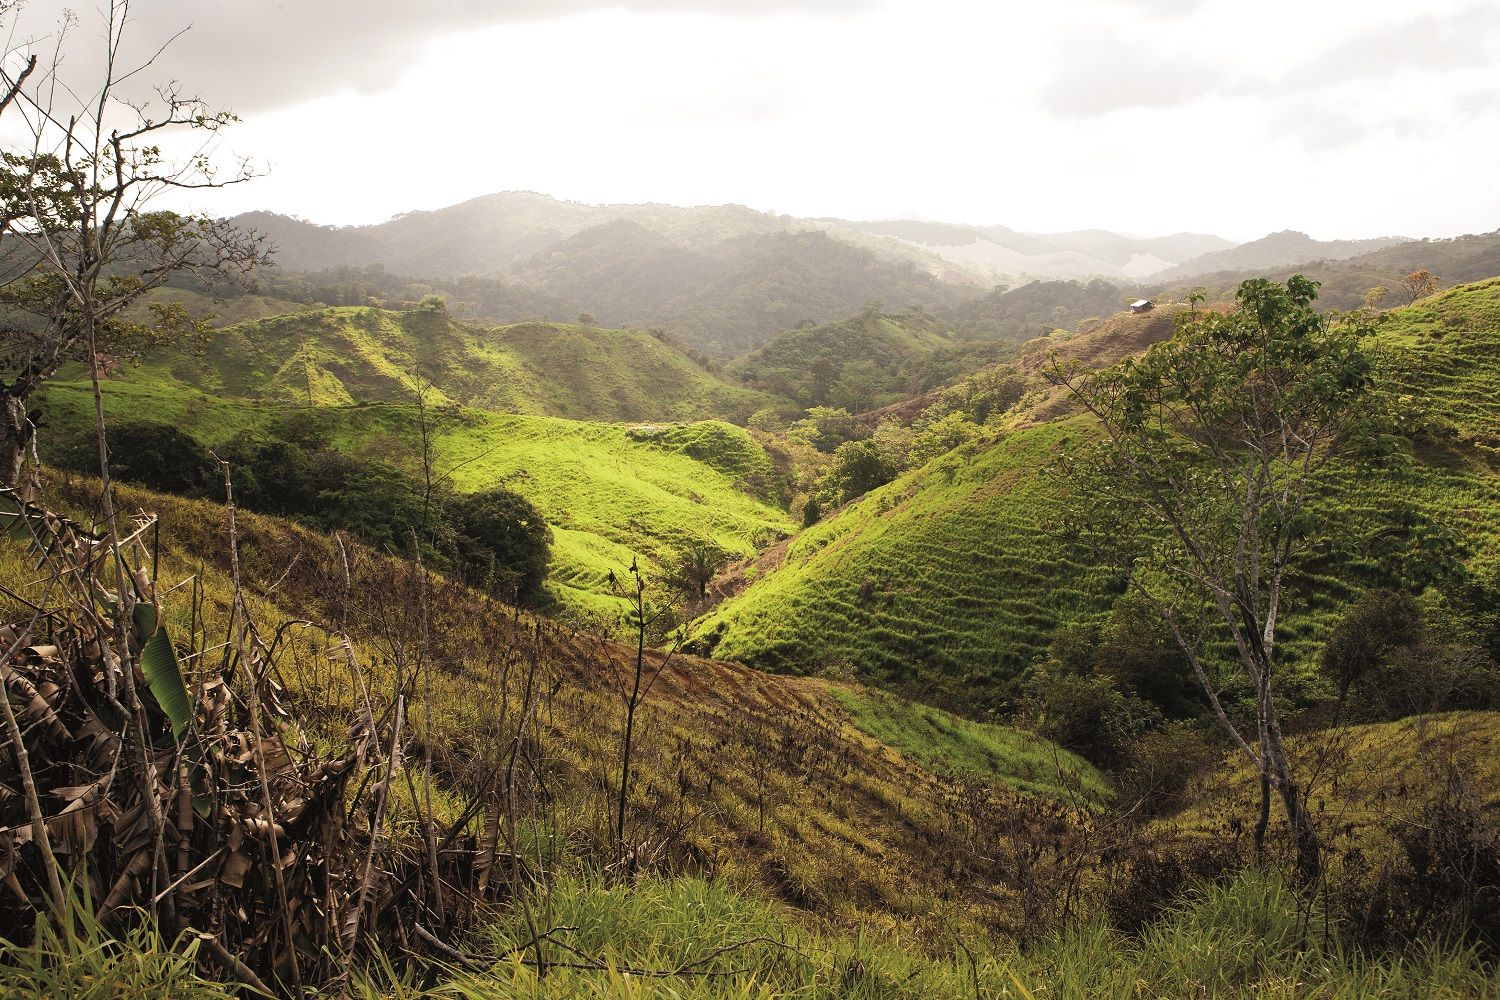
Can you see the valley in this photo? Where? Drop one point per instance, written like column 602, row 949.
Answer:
column 475, row 594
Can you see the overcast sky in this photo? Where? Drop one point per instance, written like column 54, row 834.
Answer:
column 1342, row 119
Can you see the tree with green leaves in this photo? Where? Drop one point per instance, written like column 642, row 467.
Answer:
column 83, row 237
column 1201, row 487
column 697, row 563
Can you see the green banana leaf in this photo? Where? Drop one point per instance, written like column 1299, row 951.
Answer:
column 159, row 664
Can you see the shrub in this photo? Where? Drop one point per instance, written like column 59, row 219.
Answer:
column 158, row 456
column 503, row 536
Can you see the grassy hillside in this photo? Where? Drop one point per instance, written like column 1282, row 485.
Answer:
column 947, row 744
column 795, row 855
column 950, row 580
column 609, row 491
column 944, row 581
column 792, row 798
column 1376, row 767
column 361, row 355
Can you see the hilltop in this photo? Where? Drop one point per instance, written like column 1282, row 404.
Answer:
column 1277, row 250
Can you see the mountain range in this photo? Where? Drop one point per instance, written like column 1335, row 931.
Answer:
column 724, row 278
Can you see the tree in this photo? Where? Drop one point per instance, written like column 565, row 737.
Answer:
column 698, row 562
column 158, row 456
column 1200, row 485
column 1419, row 284
column 1375, row 297
column 83, row 236
column 858, row 467
column 504, row 532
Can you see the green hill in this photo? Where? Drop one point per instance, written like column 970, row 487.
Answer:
column 950, row 580
column 359, row 355
column 610, row 492
column 539, row 408
column 859, row 363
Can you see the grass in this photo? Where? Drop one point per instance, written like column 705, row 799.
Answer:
column 947, row 577
column 1363, row 775
column 948, row 744
column 612, row 492
column 781, row 786
column 364, row 354
column 951, row 579
column 1245, row 937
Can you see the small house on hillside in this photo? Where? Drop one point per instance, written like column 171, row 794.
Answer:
column 1142, row 306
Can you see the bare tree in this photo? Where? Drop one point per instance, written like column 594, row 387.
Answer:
column 85, row 235
column 635, row 684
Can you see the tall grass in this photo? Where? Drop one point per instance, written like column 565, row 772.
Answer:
column 77, row 957
column 1248, row 937
column 691, row 939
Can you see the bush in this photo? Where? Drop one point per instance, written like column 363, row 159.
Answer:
column 502, row 536
column 858, row 467
column 1394, row 655
column 157, row 456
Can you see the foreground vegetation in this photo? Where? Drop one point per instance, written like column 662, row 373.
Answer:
column 690, row 939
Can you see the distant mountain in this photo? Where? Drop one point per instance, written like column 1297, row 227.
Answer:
column 992, row 254
column 1281, row 249
column 724, row 278
column 492, row 234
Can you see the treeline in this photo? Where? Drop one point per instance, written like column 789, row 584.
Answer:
column 837, row 456
column 495, row 539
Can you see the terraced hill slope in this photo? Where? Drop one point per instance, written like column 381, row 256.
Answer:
column 950, row 580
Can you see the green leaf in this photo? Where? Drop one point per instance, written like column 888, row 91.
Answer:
column 159, row 664
column 143, row 617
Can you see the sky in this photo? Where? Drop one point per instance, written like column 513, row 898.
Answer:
column 1340, row 119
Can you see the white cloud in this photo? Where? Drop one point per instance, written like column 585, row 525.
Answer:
column 1149, row 116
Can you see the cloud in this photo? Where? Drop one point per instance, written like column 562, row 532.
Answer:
column 745, row 100
column 254, row 55
column 1426, row 44
column 1164, row 8
column 1097, row 74
column 1098, row 68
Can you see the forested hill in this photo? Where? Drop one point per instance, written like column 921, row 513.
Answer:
column 724, row 279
